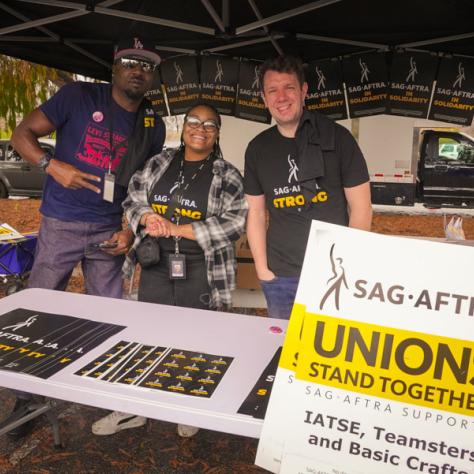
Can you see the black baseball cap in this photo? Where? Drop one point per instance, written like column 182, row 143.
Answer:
column 136, row 48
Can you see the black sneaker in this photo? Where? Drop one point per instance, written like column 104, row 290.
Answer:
column 22, row 407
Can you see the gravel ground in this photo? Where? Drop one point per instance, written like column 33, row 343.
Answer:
column 155, row 448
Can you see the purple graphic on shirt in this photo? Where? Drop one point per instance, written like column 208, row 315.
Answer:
column 94, row 148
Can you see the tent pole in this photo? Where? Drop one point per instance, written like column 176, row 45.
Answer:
column 56, row 37
column 328, row 39
column 285, row 15
column 242, row 43
column 211, row 10
column 259, row 16
column 444, row 39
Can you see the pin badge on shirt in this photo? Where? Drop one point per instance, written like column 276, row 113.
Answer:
column 98, row 116
column 149, row 119
column 109, row 185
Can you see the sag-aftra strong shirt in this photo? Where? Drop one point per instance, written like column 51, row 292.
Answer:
column 272, row 168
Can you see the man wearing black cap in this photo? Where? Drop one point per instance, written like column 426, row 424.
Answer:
column 104, row 134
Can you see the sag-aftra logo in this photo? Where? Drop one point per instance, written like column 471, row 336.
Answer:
column 395, row 293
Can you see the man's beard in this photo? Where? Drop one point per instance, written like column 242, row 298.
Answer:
column 133, row 94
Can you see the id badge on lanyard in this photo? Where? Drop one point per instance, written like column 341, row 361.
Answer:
column 109, row 178
column 109, row 186
column 177, row 261
column 177, row 266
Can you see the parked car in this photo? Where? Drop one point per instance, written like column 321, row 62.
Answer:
column 18, row 177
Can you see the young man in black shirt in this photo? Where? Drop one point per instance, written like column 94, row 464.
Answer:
column 306, row 167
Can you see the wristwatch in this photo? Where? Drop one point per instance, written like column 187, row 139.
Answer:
column 44, row 161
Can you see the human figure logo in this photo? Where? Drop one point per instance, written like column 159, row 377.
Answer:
column 179, row 73
column 219, row 72
column 335, row 282
column 23, row 324
column 137, row 44
column 292, row 174
column 256, row 79
column 460, row 77
column 413, row 71
column 364, row 71
column 321, row 79
column 178, row 183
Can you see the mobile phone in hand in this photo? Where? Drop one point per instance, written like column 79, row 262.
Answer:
column 107, row 245
column 102, row 246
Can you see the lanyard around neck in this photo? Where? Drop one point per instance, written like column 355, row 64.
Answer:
column 112, row 144
column 178, row 194
column 193, row 177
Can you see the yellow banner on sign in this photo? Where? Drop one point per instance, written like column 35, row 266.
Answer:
column 405, row 366
column 289, row 354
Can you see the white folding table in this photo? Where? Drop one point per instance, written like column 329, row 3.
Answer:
column 250, row 340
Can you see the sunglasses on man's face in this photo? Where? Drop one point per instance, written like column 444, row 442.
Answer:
column 194, row 122
column 128, row 63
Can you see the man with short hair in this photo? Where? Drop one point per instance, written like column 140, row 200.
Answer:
column 105, row 132
column 306, row 167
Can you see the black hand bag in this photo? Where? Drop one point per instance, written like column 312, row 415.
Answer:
column 148, row 252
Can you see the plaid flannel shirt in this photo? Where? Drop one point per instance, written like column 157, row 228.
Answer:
column 224, row 224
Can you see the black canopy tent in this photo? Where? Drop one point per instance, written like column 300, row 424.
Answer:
column 78, row 36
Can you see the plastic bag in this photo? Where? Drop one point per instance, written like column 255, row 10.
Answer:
column 453, row 229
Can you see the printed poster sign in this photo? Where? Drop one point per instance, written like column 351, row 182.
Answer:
column 181, row 80
column 155, row 95
column 366, row 81
column 377, row 370
column 256, row 402
column 411, row 83
column 250, row 105
column 7, row 232
column 219, row 76
column 159, row 368
column 41, row 344
column 325, row 89
column 453, row 99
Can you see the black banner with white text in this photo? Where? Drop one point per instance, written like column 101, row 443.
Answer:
column 365, row 76
column 156, row 97
column 250, row 104
column 398, row 83
column 411, row 83
column 219, row 76
column 325, row 89
column 180, row 76
column 453, row 99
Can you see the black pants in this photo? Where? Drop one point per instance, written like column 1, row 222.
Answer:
column 193, row 292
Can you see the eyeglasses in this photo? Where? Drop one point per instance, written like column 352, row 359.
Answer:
column 128, row 63
column 208, row 125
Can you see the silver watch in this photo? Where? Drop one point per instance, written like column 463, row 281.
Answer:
column 44, row 161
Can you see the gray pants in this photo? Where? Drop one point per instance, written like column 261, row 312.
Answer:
column 63, row 244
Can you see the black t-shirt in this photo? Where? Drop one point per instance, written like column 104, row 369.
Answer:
column 271, row 168
column 193, row 204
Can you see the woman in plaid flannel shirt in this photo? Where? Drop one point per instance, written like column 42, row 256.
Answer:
column 209, row 216
column 206, row 216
